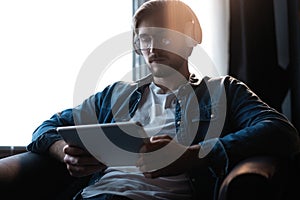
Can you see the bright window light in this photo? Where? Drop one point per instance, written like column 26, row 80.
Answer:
column 214, row 20
column 44, row 44
column 43, row 47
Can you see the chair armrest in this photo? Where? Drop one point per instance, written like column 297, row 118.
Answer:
column 34, row 176
column 254, row 178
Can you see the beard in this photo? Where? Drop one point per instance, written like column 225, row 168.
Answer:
column 161, row 70
column 164, row 63
column 165, row 69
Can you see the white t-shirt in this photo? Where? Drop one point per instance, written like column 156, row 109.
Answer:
column 156, row 112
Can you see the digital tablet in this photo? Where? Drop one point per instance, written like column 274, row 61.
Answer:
column 114, row 144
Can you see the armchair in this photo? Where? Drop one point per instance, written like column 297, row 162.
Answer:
column 32, row 176
column 29, row 175
column 259, row 178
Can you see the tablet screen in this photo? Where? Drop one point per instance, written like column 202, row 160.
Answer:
column 114, row 144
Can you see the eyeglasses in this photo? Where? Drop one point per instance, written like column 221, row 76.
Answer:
column 144, row 42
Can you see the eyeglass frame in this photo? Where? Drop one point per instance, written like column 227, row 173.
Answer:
column 164, row 42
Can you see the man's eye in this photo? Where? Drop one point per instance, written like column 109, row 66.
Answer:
column 145, row 39
column 165, row 41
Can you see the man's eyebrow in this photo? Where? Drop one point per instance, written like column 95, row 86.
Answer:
column 158, row 32
column 143, row 34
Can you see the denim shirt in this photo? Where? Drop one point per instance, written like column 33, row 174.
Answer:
column 221, row 114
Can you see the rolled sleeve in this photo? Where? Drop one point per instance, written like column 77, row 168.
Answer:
column 45, row 135
column 43, row 142
column 214, row 151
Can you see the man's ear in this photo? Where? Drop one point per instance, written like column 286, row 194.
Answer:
column 189, row 51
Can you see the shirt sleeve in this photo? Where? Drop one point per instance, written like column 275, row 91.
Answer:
column 217, row 157
column 252, row 128
column 94, row 109
column 45, row 135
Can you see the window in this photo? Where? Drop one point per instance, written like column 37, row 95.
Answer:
column 43, row 47
column 214, row 20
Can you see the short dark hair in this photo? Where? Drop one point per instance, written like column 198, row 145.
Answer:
column 176, row 12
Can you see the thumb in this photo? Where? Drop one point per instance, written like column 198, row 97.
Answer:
column 159, row 137
column 153, row 174
column 157, row 173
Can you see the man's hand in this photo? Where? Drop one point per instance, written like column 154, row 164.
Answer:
column 78, row 161
column 165, row 157
column 81, row 163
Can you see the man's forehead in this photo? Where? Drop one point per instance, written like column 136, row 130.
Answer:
column 157, row 31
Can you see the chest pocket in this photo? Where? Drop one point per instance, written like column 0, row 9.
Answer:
column 204, row 123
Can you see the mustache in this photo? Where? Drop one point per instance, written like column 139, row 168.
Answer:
column 157, row 57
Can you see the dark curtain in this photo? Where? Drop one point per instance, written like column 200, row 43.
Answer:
column 264, row 50
column 294, row 23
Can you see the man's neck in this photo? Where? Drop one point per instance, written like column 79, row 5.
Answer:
column 171, row 82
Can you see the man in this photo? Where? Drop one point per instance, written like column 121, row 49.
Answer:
column 201, row 128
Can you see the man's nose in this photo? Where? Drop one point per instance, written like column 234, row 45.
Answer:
column 154, row 46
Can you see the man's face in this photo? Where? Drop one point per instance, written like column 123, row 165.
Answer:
column 164, row 50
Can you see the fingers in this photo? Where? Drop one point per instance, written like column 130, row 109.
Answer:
column 168, row 170
column 154, row 174
column 152, row 161
column 80, row 163
column 145, row 164
column 80, row 160
column 153, row 146
column 160, row 137
column 74, row 151
column 83, row 166
column 80, row 170
column 169, row 160
column 156, row 142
